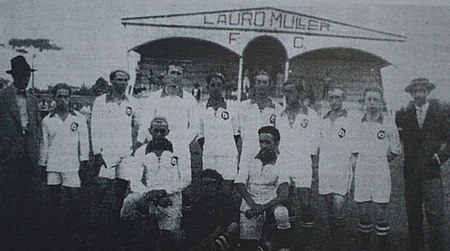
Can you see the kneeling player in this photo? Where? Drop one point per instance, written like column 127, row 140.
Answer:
column 379, row 144
column 212, row 225
column 264, row 188
column 156, row 185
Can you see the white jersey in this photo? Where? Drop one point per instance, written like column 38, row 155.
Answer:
column 261, row 181
column 111, row 129
column 251, row 119
column 65, row 143
column 375, row 141
column 218, row 127
column 159, row 173
column 338, row 139
column 182, row 117
column 337, row 143
column 299, row 139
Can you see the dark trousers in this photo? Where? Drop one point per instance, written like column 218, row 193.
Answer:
column 20, row 205
column 430, row 194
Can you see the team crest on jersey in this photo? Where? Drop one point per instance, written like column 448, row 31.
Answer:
column 129, row 111
column 305, row 123
column 273, row 118
column 174, row 161
column 74, row 126
column 225, row 115
column 381, row 134
column 342, row 132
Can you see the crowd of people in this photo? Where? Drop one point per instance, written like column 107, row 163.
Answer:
column 258, row 162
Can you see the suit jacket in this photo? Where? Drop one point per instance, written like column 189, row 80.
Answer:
column 421, row 144
column 14, row 143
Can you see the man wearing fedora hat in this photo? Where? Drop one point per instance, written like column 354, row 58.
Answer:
column 425, row 132
column 20, row 134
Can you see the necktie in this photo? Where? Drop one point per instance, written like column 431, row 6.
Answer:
column 420, row 116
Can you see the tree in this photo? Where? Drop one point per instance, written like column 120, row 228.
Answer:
column 40, row 44
column 100, row 87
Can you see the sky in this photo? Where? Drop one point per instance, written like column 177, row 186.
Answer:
column 94, row 41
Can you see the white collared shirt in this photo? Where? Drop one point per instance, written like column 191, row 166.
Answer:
column 300, row 138
column 183, row 120
column 65, row 143
column 337, row 140
column 251, row 119
column 376, row 139
column 161, row 173
column 22, row 106
column 261, row 181
column 111, row 128
column 421, row 113
column 219, row 128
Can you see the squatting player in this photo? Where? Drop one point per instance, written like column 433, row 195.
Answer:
column 336, row 155
column 155, row 181
column 264, row 187
column 379, row 144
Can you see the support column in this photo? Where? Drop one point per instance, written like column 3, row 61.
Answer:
column 241, row 65
column 286, row 70
column 132, row 63
column 286, row 77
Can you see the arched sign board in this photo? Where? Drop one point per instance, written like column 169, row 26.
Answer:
column 237, row 28
column 266, row 20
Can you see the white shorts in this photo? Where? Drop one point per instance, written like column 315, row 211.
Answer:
column 372, row 183
column 67, row 179
column 302, row 176
column 225, row 165
column 335, row 178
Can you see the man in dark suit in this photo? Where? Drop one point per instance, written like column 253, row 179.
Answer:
column 20, row 134
column 425, row 132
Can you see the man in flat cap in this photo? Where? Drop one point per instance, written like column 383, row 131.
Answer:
column 20, row 135
column 425, row 132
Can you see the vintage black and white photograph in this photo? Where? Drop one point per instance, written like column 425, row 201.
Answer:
column 224, row 125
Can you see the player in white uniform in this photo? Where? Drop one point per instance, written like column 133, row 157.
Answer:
column 264, row 187
column 156, row 183
column 378, row 143
column 65, row 143
column 180, row 109
column 113, row 115
column 299, row 126
column 256, row 112
column 335, row 159
column 218, row 132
